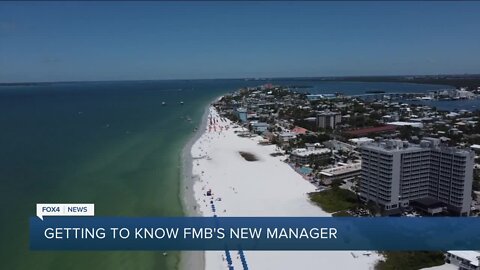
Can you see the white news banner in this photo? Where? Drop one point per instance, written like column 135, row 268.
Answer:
column 65, row 209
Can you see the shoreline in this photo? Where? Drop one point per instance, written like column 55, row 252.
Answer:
column 192, row 259
column 264, row 187
column 217, row 180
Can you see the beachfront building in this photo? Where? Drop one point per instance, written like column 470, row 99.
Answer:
column 309, row 155
column 341, row 172
column 242, row 114
column 464, row 259
column 260, row 127
column 286, row 136
column 328, row 119
column 428, row 176
column 338, row 145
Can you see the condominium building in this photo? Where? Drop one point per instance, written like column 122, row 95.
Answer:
column 309, row 155
column 328, row 119
column 429, row 176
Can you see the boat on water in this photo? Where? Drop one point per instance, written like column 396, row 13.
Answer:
column 181, row 102
column 163, row 103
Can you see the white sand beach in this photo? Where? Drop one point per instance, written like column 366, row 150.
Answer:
column 267, row 187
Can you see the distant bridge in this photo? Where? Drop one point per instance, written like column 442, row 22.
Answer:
column 389, row 94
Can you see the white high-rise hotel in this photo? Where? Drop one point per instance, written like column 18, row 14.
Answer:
column 397, row 174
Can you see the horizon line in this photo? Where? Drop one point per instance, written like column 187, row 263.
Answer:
column 243, row 78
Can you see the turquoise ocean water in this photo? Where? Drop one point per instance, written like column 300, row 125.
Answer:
column 109, row 143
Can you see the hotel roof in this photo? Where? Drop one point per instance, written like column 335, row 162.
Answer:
column 390, row 146
column 343, row 169
column 361, row 140
column 303, row 152
column 470, row 255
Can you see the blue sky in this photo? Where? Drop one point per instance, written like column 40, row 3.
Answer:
column 54, row 41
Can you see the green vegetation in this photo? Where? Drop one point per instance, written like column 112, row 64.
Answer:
column 341, row 214
column 410, row 260
column 334, row 199
column 406, row 132
column 310, row 125
column 314, row 138
column 296, row 113
column 232, row 116
column 374, row 208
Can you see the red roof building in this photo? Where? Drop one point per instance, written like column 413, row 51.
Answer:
column 299, row 130
column 370, row 130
